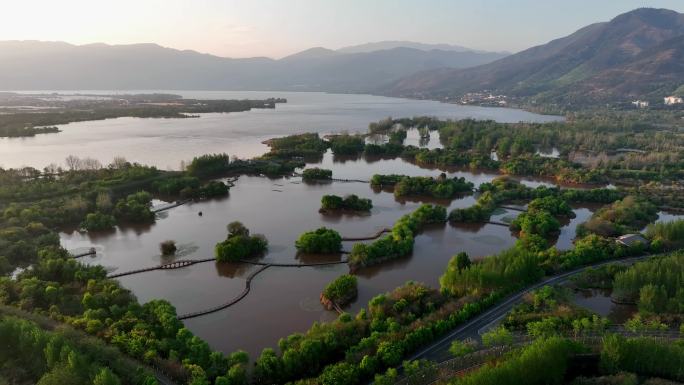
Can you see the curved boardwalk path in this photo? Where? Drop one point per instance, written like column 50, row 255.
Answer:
column 248, row 285
column 336, row 179
column 313, row 264
column 497, row 223
column 84, row 254
column 350, row 180
column 170, row 206
column 374, row 236
column 166, row 266
column 513, row 208
column 189, row 262
column 262, row 266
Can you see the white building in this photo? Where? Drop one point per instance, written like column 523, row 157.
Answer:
column 640, row 103
column 672, row 100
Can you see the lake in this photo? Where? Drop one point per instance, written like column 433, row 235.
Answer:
column 282, row 300
column 166, row 142
column 282, row 209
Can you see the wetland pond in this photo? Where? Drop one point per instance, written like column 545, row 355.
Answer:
column 284, row 300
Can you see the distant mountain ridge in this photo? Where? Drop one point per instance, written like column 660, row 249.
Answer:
column 36, row 65
column 391, row 44
column 636, row 55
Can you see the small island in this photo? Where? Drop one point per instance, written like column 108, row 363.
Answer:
column 239, row 245
column 316, row 174
column 26, row 115
column 351, row 204
column 339, row 292
column 441, row 187
column 321, row 241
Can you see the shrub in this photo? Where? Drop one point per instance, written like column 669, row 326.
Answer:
column 460, row 348
column 342, row 290
column 302, row 145
column 347, row 144
column 542, row 363
column 441, row 187
column 323, row 240
column 168, row 247
column 98, row 221
column 497, row 336
column 351, row 202
column 240, row 245
column 210, row 164
column 643, row 356
column 385, row 180
column 667, row 234
column 540, row 223
column 213, row 189
column 400, row 242
column 316, row 173
column 135, row 208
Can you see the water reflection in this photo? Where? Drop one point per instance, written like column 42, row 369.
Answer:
column 166, row 142
column 599, row 302
column 282, row 209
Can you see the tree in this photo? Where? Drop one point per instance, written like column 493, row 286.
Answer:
column 340, row 374
column 322, row 240
column 106, row 377
column 237, row 229
column 98, row 221
column 460, row 348
column 168, row 247
column 342, row 290
column 103, row 202
column 462, row 261
column 312, row 174
column 73, row 163
column 497, row 336
column 239, row 244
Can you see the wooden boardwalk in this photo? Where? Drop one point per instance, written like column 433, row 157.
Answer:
column 513, row 208
column 92, row 251
column 368, row 238
column 243, row 294
column 166, row 266
column 498, row 223
column 189, row 262
column 169, row 206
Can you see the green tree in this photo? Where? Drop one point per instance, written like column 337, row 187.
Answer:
column 322, row 240
column 106, row 377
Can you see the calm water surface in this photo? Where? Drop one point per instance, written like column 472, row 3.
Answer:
column 282, row 209
column 165, row 142
column 282, row 300
column 599, row 302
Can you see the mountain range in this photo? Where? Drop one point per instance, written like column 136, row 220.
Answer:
column 37, row 65
column 636, row 55
column 639, row 54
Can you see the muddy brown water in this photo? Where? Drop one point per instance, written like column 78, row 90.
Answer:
column 599, row 302
column 285, row 300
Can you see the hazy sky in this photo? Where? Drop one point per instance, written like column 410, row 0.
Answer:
column 240, row 28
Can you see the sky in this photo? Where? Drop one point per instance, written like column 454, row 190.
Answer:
column 276, row 28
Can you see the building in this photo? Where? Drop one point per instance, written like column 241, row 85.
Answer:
column 672, row 100
column 640, row 103
column 632, row 239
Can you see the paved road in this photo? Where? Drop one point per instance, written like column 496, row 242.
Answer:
column 439, row 351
